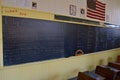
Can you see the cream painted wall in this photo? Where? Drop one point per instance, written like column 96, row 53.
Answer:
column 113, row 10
column 62, row 7
column 60, row 69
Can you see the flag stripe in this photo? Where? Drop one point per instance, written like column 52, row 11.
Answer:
column 98, row 12
column 96, row 15
column 99, row 7
column 100, row 3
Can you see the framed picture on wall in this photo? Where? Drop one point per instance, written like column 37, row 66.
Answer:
column 72, row 10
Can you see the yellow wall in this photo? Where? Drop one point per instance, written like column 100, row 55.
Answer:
column 58, row 69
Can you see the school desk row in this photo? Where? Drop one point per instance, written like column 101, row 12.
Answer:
column 107, row 72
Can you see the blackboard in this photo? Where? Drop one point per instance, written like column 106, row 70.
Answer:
column 30, row 40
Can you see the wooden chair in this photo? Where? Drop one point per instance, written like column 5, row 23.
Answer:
column 114, row 65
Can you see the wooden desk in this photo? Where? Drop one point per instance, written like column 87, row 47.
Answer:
column 114, row 65
column 105, row 72
column 108, row 72
column 116, row 72
column 89, row 76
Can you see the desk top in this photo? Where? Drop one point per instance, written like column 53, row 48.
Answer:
column 111, row 68
column 94, row 75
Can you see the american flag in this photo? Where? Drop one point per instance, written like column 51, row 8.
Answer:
column 96, row 9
